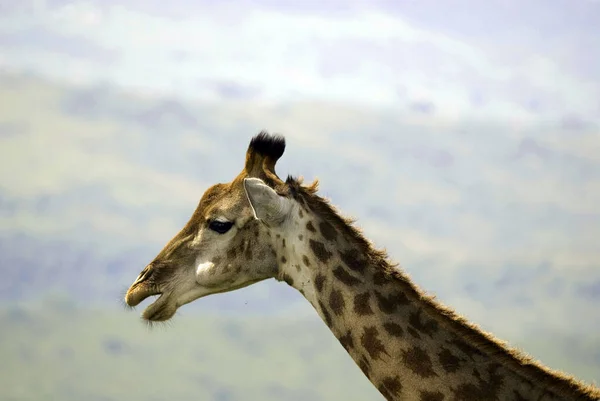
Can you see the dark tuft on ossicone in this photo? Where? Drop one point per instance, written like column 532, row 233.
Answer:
column 268, row 145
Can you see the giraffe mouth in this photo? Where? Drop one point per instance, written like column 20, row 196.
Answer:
column 160, row 309
column 168, row 298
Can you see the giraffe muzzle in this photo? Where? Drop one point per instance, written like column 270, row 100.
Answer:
column 137, row 293
column 142, row 288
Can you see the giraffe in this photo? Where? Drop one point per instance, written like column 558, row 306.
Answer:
column 410, row 346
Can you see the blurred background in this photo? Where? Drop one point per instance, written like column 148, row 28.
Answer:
column 463, row 135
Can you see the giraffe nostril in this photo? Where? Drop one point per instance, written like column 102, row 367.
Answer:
column 143, row 275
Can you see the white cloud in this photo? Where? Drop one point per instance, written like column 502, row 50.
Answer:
column 384, row 60
column 543, row 191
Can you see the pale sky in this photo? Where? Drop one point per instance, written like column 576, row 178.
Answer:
column 470, row 130
column 534, row 60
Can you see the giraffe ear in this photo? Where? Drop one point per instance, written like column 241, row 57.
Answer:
column 266, row 204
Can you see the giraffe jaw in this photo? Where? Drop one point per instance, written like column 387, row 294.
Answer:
column 160, row 310
column 169, row 300
column 140, row 291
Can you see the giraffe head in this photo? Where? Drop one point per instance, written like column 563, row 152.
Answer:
column 227, row 244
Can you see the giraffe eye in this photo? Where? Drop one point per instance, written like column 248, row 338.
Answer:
column 220, row 227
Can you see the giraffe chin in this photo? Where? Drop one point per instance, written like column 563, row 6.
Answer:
column 160, row 310
column 165, row 306
column 168, row 302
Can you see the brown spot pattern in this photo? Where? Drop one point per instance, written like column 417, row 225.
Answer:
column 319, row 250
column 417, row 360
column 283, row 259
column 328, row 231
column 414, row 333
column 310, row 227
column 389, row 304
column 371, row 342
column 326, row 314
column 365, row 366
column 231, row 253
column 347, row 341
column 485, row 390
column 361, row 304
column 469, row 350
column 288, row 279
column 390, row 387
column 379, row 278
column 431, row 396
column 336, row 302
column 319, row 281
column 450, row 362
column 300, row 237
column 423, row 326
column 305, row 260
column 352, row 259
column 341, row 274
column 393, row 329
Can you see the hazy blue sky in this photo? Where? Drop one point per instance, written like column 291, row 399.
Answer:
column 464, row 135
column 508, row 59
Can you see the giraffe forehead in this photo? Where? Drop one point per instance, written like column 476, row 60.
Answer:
column 213, row 193
column 221, row 200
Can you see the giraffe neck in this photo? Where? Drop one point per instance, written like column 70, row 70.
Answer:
column 409, row 346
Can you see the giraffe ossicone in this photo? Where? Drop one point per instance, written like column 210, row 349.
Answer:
column 407, row 344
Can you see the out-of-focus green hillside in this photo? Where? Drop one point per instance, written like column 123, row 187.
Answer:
column 463, row 136
column 94, row 181
column 61, row 353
